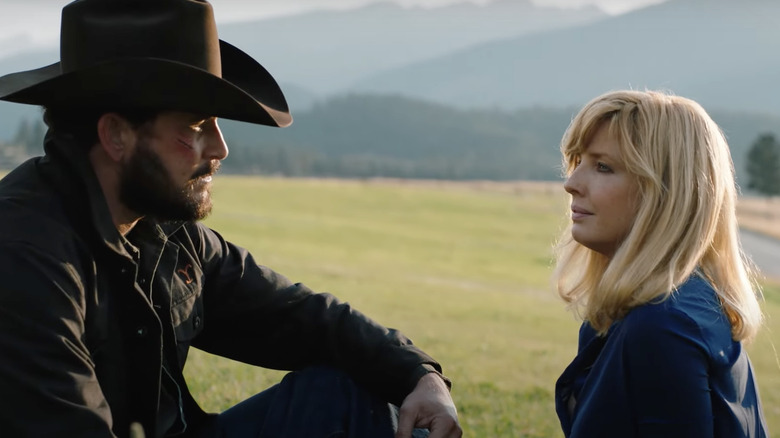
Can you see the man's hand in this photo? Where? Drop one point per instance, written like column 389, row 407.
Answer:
column 137, row 431
column 429, row 406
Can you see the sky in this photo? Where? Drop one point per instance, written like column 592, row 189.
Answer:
column 26, row 24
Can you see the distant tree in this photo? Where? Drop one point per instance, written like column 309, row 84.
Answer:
column 29, row 135
column 23, row 133
column 34, row 145
column 763, row 165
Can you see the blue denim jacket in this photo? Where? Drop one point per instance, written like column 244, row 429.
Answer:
column 669, row 369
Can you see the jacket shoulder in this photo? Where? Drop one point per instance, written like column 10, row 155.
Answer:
column 692, row 314
column 35, row 215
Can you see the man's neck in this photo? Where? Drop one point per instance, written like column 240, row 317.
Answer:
column 108, row 176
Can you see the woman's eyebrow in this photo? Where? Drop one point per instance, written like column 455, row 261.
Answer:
column 598, row 155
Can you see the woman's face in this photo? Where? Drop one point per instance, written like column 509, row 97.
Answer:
column 604, row 196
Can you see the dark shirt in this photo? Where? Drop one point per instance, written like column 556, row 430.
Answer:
column 669, row 369
column 88, row 318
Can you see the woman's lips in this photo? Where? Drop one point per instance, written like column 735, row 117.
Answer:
column 579, row 213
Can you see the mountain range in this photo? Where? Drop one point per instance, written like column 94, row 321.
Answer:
column 723, row 53
column 328, row 51
column 372, row 135
column 513, row 54
column 319, row 54
column 471, row 91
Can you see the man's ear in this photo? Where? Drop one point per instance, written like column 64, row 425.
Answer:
column 115, row 135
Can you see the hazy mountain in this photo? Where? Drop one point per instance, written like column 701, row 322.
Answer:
column 723, row 53
column 299, row 98
column 528, row 74
column 362, row 135
column 318, row 53
column 29, row 60
column 12, row 113
column 326, row 51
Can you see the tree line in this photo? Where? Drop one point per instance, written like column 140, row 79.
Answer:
column 359, row 136
column 763, row 165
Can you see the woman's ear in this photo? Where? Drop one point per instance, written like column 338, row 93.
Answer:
column 115, row 135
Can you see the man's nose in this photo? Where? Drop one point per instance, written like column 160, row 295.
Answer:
column 216, row 148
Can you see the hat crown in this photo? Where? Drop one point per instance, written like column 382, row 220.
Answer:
column 96, row 31
column 150, row 54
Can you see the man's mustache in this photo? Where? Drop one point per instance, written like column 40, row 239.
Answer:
column 207, row 169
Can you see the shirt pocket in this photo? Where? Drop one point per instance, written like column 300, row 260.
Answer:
column 186, row 306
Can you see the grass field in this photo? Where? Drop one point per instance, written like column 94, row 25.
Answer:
column 462, row 269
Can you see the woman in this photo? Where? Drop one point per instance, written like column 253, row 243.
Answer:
column 652, row 263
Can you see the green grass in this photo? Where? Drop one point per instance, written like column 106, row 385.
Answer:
column 464, row 273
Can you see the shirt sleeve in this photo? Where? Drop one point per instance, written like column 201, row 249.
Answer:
column 666, row 361
column 45, row 368
column 258, row 316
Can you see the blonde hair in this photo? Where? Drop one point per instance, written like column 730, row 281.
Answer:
column 686, row 219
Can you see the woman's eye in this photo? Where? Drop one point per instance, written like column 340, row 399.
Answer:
column 601, row 167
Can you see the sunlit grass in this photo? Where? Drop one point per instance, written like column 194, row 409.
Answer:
column 462, row 272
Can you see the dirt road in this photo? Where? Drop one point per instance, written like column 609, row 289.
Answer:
column 764, row 251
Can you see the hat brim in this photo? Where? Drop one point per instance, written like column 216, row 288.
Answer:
column 245, row 92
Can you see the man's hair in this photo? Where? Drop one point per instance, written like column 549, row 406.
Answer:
column 82, row 123
column 686, row 219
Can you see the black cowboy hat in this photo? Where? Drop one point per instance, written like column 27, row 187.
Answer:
column 156, row 54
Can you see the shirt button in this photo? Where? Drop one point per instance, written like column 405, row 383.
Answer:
column 196, row 323
column 142, row 281
column 141, row 331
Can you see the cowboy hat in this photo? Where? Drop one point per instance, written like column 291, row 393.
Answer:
column 157, row 54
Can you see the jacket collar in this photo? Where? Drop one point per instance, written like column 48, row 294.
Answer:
column 590, row 346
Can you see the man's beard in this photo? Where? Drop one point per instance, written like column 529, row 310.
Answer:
column 146, row 187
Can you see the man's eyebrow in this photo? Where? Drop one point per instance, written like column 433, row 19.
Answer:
column 199, row 119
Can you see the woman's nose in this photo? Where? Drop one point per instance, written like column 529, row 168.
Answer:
column 571, row 183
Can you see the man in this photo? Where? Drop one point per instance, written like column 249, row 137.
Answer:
column 108, row 277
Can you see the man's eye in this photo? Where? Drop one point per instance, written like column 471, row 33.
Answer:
column 201, row 125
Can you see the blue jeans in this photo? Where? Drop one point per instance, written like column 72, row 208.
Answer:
column 316, row 402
